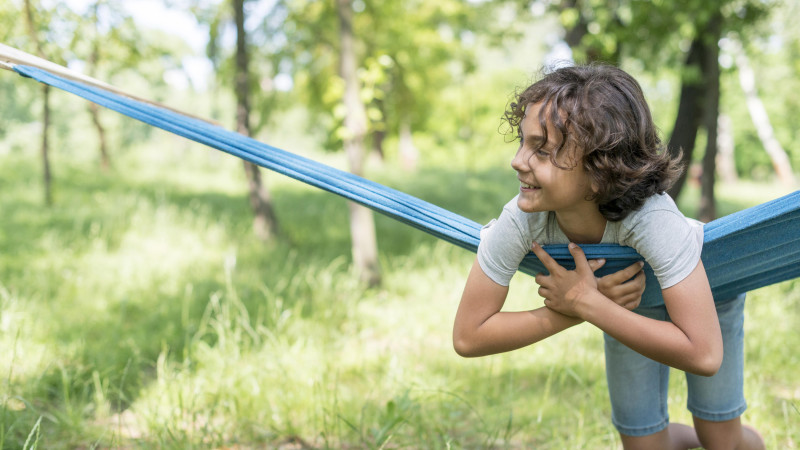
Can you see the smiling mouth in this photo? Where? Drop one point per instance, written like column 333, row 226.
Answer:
column 528, row 186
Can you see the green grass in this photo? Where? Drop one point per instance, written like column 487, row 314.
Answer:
column 140, row 311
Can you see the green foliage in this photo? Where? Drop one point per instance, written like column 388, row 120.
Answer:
column 656, row 33
column 126, row 56
column 17, row 102
column 113, row 47
column 773, row 54
column 262, row 43
column 447, row 68
column 11, row 27
column 656, row 36
column 50, row 22
column 407, row 51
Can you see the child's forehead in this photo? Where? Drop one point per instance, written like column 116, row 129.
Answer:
column 531, row 122
column 532, row 109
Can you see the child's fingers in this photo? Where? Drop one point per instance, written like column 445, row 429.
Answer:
column 625, row 274
column 633, row 288
column 543, row 292
column 638, row 283
column 542, row 279
column 549, row 263
column 632, row 304
column 630, row 285
column 580, row 258
column 627, row 294
column 596, row 264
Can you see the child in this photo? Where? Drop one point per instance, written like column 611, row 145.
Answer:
column 592, row 169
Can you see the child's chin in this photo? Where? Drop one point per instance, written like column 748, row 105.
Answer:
column 527, row 207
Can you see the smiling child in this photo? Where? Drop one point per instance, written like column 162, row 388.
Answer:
column 592, row 169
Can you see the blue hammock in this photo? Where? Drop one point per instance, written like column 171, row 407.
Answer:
column 746, row 250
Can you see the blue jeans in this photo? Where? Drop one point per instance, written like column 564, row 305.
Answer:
column 638, row 385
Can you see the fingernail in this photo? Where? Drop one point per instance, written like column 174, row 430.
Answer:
column 572, row 245
column 641, row 263
column 534, row 244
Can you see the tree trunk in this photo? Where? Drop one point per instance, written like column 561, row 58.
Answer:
column 45, row 149
column 409, row 155
column 265, row 223
column 690, row 109
column 726, row 163
column 707, row 209
column 379, row 131
column 573, row 36
column 94, row 109
column 362, row 222
column 47, row 177
column 105, row 160
column 378, row 138
column 747, row 79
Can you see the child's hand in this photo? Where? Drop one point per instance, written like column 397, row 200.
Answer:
column 565, row 291
column 624, row 287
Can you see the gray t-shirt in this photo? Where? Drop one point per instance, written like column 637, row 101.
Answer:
column 669, row 242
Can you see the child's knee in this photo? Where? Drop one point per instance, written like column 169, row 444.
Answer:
column 659, row 439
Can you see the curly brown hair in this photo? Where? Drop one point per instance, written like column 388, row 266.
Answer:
column 602, row 111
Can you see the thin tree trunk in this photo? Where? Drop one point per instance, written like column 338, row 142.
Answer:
column 573, row 36
column 45, row 148
column 690, row 108
column 409, row 154
column 105, row 160
column 707, row 209
column 747, row 79
column 265, row 223
column 378, row 138
column 47, row 177
column 379, row 132
column 362, row 222
column 94, row 109
column 726, row 163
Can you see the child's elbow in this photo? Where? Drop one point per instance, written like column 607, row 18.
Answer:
column 465, row 347
column 708, row 369
column 708, row 365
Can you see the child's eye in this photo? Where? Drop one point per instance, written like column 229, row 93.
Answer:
column 542, row 153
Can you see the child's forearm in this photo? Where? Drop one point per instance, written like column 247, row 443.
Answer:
column 506, row 331
column 691, row 341
column 659, row 340
column 481, row 328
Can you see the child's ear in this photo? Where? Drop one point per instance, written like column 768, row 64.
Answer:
column 593, row 184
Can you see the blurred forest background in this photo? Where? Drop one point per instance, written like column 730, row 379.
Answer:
column 154, row 292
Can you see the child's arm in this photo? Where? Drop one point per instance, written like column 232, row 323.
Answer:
column 692, row 341
column 482, row 329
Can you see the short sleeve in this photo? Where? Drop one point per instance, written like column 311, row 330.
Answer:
column 669, row 242
column 502, row 247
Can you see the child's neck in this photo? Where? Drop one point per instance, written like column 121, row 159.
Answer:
column 582, row 227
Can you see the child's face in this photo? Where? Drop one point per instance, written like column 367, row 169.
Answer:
column 544, row 186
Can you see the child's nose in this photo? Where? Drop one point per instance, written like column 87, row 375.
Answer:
column 520, row 162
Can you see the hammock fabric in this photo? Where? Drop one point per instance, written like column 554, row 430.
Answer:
column 746, row 250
